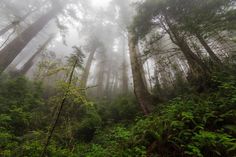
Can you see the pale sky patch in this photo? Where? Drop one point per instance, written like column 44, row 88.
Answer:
column 100, row 3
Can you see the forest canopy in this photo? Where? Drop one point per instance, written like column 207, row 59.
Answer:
column 117, row 78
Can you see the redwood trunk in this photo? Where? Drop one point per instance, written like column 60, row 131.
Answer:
column 140, row 89
column 85, row 76
column 196, row 65
column 212, row 55
column 26, row 67
column 9, row 53
column 7, row 28
column 15, row 23
column 125, row 84
column 100, row 79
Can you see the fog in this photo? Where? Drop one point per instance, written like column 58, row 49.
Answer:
column 117, row 78
column 100, row 29
column 79, row 24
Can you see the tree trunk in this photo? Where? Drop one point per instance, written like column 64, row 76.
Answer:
column 85, row 75
column 149, row 75
column 108, row 83
column 197, row 67
column 116, row 84
column 212, row 55
column 8, row 27
column 141, row 63
column 8, row 54
column 15, row 23
column 100, row 78
column 125, row 84
column 26, row 67
column 140, row 89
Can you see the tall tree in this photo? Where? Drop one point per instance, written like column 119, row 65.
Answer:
column 200, row 18
column 156, row 14
column 94, row 46
column 75, row 60
column 125, row 79
column 212, row 54
column 8, row 53
column 197, row 66
column 140, row 88
column 26, row 67
column 16, row 22
column 101, row 73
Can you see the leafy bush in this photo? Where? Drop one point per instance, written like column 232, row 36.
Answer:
column 191, row 125
column 121, row 109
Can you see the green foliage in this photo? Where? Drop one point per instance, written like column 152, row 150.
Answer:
column 88, row 125
column 79, row 116
column 193, row 125
column 220, row 144
column 25, row 118
column 19, row 100
column 196, row 16
column 97, row 151
column 121, row 109
column 190, row 125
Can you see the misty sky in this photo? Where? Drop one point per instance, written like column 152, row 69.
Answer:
column 63, row 43
column 100, row 3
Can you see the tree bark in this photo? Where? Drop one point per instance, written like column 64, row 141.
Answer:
column 85, row 75
column 140, row 89
column 149, row 75
column 125, row 84
column 212, row 55
column 8, row 27
column 26, row 67
column 141, row 63
column 108, row 83
column 8, row 53
column 15, row 23
column 114, row 87
column 196, row 65
column 100, row 77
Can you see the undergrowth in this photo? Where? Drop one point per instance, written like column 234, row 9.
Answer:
column 190, row 125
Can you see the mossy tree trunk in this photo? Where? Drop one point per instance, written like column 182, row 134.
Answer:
column 140, row 90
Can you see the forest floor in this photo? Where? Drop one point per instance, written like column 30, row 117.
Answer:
column 191, row 124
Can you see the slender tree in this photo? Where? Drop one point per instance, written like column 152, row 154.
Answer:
column 75, row 60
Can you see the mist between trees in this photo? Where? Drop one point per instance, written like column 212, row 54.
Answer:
column 117, row 78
